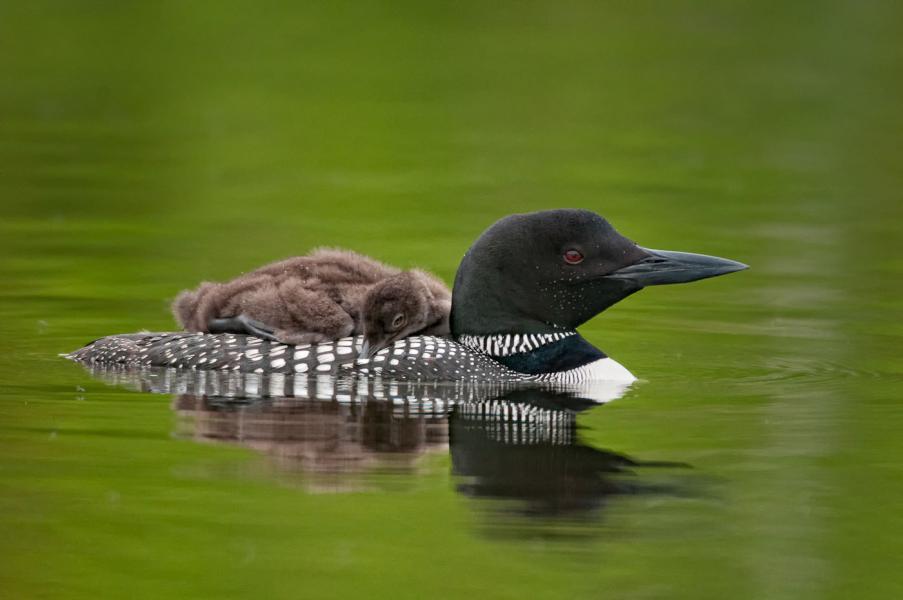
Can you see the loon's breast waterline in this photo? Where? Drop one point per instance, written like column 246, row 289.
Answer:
column 413, row 358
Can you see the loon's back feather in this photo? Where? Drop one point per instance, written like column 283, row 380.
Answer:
column 418, row 357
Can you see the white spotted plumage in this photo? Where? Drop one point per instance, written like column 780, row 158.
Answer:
column 418, row 357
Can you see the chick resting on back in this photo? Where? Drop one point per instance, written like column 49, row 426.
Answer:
column 326, row 295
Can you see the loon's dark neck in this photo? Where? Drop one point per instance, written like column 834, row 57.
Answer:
column 536, row 354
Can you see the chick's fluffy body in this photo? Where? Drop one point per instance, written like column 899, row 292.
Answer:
column 318, row 297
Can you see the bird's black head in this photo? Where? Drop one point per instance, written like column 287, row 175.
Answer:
column 552, row 270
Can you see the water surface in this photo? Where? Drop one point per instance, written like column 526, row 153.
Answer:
column 146, row 147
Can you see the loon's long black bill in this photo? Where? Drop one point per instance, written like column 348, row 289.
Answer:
column 663, row 267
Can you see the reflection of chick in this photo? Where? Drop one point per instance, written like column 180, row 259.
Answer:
column 326, row 295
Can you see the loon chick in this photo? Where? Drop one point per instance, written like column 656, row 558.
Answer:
column 324, row 296
column 412, row 302
column 520, row 292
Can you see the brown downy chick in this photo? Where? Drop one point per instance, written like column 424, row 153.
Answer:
column 410, row 303
column 305, row 299
column 299, row 300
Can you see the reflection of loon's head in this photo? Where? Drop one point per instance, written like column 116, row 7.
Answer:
column 529, row 453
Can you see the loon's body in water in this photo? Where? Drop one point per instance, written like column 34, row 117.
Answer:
column 520, row 292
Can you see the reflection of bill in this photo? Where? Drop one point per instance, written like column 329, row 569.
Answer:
column 509, row 442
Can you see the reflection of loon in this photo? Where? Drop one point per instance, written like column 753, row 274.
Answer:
column 547, row 476
column 520, row 293
column 508, row 441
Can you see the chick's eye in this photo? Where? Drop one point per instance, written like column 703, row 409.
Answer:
column 398, row 321
column 573, row 257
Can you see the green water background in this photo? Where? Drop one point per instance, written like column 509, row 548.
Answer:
column 147, row 146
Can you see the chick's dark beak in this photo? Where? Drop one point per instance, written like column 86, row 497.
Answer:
column 372, row 346
column 662, row 267
column 367, row 351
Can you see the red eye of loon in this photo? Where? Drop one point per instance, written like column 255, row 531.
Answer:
column 573, row 257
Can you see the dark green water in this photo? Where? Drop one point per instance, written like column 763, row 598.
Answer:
column 147, row 146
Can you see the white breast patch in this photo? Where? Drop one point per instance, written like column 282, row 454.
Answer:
column 604, row 369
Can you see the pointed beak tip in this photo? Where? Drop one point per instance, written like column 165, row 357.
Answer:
column 665, row 266
column 736, row 266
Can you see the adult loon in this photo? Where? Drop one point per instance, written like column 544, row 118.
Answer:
column 520, row 292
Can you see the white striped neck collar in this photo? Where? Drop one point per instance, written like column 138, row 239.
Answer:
column 506, row 344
